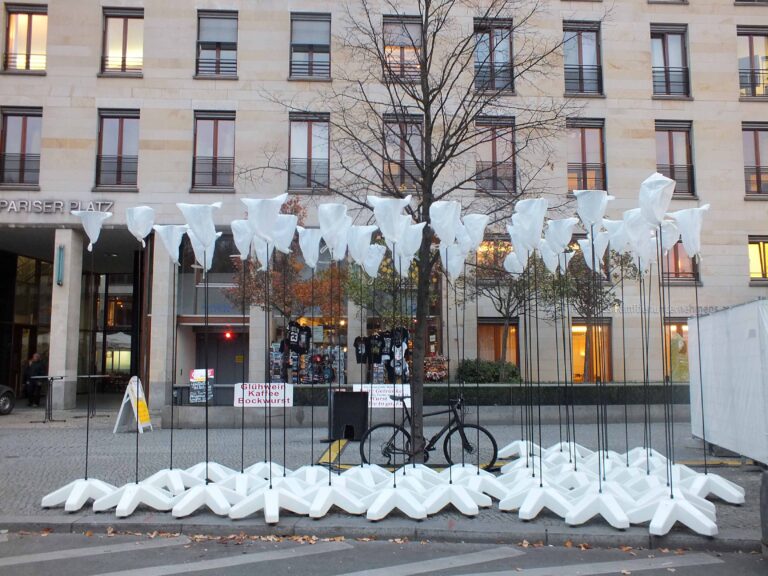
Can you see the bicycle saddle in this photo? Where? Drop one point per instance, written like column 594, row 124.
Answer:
column 398, row 398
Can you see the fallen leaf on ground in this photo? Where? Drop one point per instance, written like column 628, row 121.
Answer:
column 585, row 546
column 89, row 533
column 568, row 544
column 626, row 548
column 626, row 572
column 524, row 544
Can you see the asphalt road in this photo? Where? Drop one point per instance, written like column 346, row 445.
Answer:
column 118, row 554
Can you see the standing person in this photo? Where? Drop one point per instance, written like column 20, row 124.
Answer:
column 26, row 382
column 35, row 368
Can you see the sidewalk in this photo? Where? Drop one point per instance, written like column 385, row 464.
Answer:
column 38, row 458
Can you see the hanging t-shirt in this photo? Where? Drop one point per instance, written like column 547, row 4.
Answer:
column 376, row 346
column 305, row 339
column 361, row 350
column 386, row 349
column 293, row 335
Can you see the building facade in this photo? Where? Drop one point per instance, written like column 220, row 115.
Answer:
column 109, row 105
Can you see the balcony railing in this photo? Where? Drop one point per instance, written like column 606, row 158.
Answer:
column 584, row 79
column 493, row 76
column 682, row 174
column 404, row 70
column 669, row 81
column 753, row 82
column 19, row 168
column 116, row 170
column 217, row 66
column 586, row 177
column 122, row 63
column 210, row 171
column 756, row 179
column 401, row 175
column 498, row 178
column 308, row 173
column 24, row 61
column 310, row 68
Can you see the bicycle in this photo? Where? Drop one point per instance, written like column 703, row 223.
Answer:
column 390, row 444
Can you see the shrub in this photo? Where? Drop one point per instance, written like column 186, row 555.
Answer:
column 487, row 372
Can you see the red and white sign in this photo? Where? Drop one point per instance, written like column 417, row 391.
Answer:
column 260, row 394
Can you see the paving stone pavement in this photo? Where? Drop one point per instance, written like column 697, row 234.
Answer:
column 35, row 459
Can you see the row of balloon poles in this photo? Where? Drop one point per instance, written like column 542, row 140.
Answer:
column 639, row 485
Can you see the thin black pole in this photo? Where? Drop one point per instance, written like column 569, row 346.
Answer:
column 701, row 376
column 242, row 383
column 205, row 341
column 173, row 355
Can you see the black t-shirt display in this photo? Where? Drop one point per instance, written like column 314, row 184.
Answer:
column 305, row 339
column 293, row 335
column 361, row 350
column 376, row 348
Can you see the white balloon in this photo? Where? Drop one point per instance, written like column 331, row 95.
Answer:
column 563, row 259
column 387, row 212
column 600, row 244
column 199, row 218
column 529, row 218
column 262, row 215
column 548, row 256
column 309, row 242
column 522, row 250
column 334, row 225
column 689, row 222
column 358, row 241
column 243, row 236
column 373, row 259
column 203, row 254
column 285, row 228
column 560, row 232
column 512, row 264
column 591, row 206
column 405, row 251
column 92, row 222
column 263, row 251
column 655, row 196
column 475, row 225
column 139, row 220
column 617, row 235
column 444, row 217
column 171, row 235
column 669, row 236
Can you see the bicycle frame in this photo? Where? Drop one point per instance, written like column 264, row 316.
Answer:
column 455, row 418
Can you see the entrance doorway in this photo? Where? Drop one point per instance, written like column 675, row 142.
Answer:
column 227, row 354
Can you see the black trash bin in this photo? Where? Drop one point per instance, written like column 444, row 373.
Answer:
column 349, row 415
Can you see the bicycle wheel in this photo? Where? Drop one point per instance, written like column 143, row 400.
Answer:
column 478, row 441
column 386, row 445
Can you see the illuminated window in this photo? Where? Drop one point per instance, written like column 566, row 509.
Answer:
column 752, row 45
column 758, row 258
column 20, row 158
column 214, row 161
column 592, row 358
column 26, row 37
column 490, row 341
column 676, row 338
column 402, row 150
column 586, row 157
column 123, row 50
column 402, row 44
column 216, row 43
column 679, row 266
column 755, row 144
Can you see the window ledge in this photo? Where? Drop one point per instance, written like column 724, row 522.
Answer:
column 686, row 197
column 12, row 72
column 672, row 2
column 758, row 282
column 120, row 75
column 756, row 197
column 212, row 189
column 672, row 282
column 737, row 3
column 216, row 77
column 680, row 97
column 321, row 190
column 20, row 187
column 583, row 95
column 309, row 79
column 503, row 93
column 113, row 189
column 753, row 98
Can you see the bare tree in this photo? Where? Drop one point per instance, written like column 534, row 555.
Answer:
column 439, row 99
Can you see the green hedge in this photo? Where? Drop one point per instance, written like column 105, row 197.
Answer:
column 487, row 372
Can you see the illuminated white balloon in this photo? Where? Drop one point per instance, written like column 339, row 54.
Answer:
column 689, row 223
column 309, row 242
column 171, row 236
column 591, row 206
column 199, row 218
column 655, row 195
column 444, row 217
column 387, row 212
column 373, row 259
column 262, row 215
column 243, row 236
column 92, row 222
column 139, row 220
column 358, row 241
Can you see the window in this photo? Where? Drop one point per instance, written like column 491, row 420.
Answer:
column 21, row 146
column 752, row 46
column 490, row 341
column 309, row 151
column 216, row 43
column 495, row 168
column 758, row 257
column 673, row 155
column 117, row 160
column 214, row 162
column 402, row 151
column 493, row 55
column 586, row 161
column 678, row 266
column 310, row 45
column 676, row 346
column 591, row 355
column 123, row 41
column 25, row 38
column 669, row 60
column 755, row 143
column 402, row 47
column 581, row 50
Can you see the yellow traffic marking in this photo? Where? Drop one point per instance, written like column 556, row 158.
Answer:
column 333, row 453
